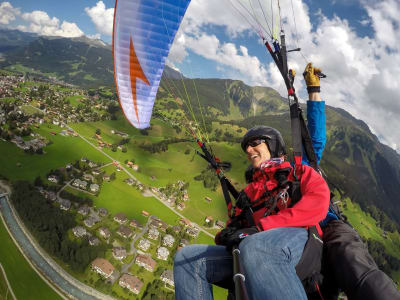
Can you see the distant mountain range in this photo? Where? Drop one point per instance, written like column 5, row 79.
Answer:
column 354, row 159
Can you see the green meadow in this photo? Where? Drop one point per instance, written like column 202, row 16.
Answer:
column 17, row 165
column 75, row 100
column 160, row 169
column 25, row 282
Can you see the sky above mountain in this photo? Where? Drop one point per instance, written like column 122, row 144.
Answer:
column 355, row 42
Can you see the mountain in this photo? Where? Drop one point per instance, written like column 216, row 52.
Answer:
column 355, row 161
column 12, row 39
column 79, row 61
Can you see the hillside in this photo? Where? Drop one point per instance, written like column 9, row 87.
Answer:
column 361, row 168
column 354, row 159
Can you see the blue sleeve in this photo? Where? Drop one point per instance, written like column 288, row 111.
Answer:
column 316, row 125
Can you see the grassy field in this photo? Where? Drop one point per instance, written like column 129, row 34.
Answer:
column 24, row 281
column 159, row 169
column 29, row 110
column 74, row 100
column 64, row 150
column 5, row 293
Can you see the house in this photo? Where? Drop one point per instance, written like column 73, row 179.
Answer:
column 94, row 241
column 104, row 232
column 79, row 231
column 103, row 212
column 162, row 253
column 220, row 224
column 83, row 210
column 192, row 231
column 183, row 243
column 119, row 253
column 185, row 196
column 92, row 164
column 88, row 177
column 96, row 172
column 144, row 244
column 135, row 167
column 106, row 177
column 157, row 223
column 168, row 277
column 146, row 262
column 94, row 187
column 131, row 282
column 208, row 199
column 185, row 222
column 52, row 196
column 145, row 213
column 103, row 267
column 129, row 181
column 53, row 178
column 82, row 184
column 177, row 229
column 181, row 206
column 120, row 218
column 65, row 204
column 134, row 223
column 89, row 222
column 209, row 219
column 124, row 231
column 168, row 240
column 153, row 234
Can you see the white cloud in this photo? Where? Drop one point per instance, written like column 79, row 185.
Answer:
column 39, row 22
column 8, row 13
column 362, row 71
column 102, row 17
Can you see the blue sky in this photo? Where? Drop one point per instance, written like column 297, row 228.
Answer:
column 355, row 42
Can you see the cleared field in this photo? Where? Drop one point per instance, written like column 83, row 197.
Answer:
column 75, row 100
column 159, row 169
column 62, row 151
column 24, row 281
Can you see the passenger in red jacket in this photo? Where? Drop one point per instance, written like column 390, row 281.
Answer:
column 278, row 232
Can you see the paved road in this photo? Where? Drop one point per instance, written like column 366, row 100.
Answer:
column 133, row 250
column 46, row 265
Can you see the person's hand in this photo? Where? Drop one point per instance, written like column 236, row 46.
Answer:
column 231, row 236
column 311, row 76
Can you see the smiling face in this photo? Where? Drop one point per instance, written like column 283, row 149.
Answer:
column 258, row 154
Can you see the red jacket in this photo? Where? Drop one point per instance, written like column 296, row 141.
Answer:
column 308, row 211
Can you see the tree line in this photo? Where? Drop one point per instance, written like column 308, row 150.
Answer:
column 50, row 225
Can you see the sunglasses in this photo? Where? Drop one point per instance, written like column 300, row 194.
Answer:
column 254, row 143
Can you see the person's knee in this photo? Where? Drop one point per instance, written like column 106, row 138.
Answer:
column 256, row 247
column 183, row 254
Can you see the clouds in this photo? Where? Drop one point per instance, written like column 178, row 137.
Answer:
column 7, row 13
column 38, row 22
column 102, row 17
column 362, row 71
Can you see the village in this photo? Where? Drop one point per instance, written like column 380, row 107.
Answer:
column 34, row 106
column 136, row 253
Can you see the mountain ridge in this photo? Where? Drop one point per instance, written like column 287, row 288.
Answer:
column 354, row 158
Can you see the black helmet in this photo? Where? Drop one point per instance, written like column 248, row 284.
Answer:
column 273, row 138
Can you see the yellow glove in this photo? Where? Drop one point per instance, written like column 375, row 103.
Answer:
column 312, row 79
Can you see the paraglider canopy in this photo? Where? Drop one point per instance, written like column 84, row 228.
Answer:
column 142, row 36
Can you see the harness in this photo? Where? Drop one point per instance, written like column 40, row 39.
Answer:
column 241, row 216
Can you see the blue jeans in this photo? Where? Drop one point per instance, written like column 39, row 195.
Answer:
column 268, row 259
